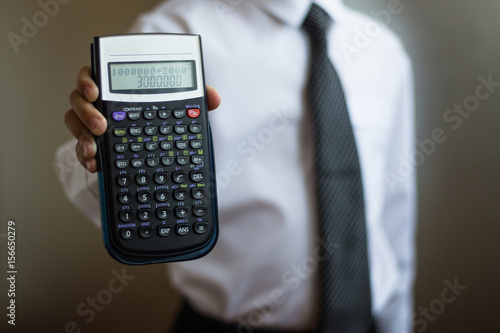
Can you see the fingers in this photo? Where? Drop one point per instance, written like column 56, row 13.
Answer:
column 83, row 119
column 74, row 123
column 88, row 163
column 86, row 85
column 81, row 100
column 86, row 148
column 87, row 113
column 213, row 98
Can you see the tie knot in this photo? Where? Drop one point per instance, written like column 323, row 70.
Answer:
column 316, row 22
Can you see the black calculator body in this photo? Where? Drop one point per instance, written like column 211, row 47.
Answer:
column 155, row 161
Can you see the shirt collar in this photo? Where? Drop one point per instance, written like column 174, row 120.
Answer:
column 293, row 12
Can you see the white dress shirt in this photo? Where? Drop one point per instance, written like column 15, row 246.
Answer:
column 263, row 270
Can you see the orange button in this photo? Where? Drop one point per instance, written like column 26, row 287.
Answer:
column 193, row 113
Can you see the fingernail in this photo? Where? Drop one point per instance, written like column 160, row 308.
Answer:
column 95, row 125
column 84, row 148
column 87, row 165
column 88, row 92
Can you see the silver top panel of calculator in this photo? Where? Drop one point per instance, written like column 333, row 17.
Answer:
column 149, row 47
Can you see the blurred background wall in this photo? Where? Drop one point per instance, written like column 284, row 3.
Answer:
column 60, row 258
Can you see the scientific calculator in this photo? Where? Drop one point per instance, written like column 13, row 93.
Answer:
column 155, row 161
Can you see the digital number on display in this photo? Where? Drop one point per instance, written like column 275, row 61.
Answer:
column 127, row 77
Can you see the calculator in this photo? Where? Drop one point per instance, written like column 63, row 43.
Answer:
column 155, row 161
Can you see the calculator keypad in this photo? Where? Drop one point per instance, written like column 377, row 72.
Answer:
column 160, row 176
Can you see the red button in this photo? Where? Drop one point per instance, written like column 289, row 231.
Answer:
column 193, row 113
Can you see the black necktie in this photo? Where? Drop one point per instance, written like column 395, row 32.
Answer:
column 345, row 284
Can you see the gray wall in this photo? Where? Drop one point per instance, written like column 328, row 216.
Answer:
column 60, row 258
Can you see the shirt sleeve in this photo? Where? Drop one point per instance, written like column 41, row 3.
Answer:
column 81, row 186
column 400, row 217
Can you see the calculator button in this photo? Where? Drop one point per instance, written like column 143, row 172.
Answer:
column 152, row 162
column 149, row 114
column 179, row 177
column 167, row 161
column 193, row 113
column 123, row 180
column 195, row 128
column 161, row 196
column 167, row 129
column 118, row 116
column 127, row 233
column 138, row 163
column 163, row 213
column 195, row 144
column 161, row 178
column 121, row 164
column 146, row 232
column 198, row 193
column 166, row 145
column 164, row 114
column 145, row 215
column 119, row 132
column 179, row 113
column 126, row 215
column 200, row 210
column 197, row 159
column 144, row 197
column 134, row 115
column 150, row 130
column 181, row 144
column 135, row 131
column 136, row 147
column 181, row 212
column 164, row 230
column 182, row 160
column 180, row 195
column 151, row 146
column 197, row 176
column 125, row 198
column 180, row 129
column 182, row 229
column 201, row 227
column 120, row 147
column 142, row 179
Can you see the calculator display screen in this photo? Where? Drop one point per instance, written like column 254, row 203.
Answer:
column 152, row 77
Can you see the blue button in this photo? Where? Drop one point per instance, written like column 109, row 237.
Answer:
column 119, row 115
